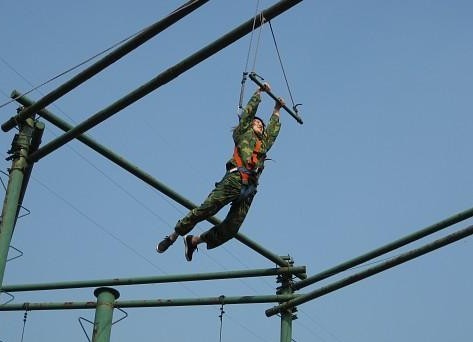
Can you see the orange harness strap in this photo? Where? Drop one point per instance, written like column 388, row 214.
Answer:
column 245, row 171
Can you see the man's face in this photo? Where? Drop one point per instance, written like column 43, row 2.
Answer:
column 258, row 126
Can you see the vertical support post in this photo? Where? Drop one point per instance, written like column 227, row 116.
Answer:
column 104, row 313
column 286, row 315
column 18, row 155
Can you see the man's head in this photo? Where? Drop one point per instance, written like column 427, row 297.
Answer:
column 258, row 125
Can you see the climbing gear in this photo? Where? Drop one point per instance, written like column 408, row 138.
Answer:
column 250, row 47
column 164, row 244
column 293, row 112
column 252, row 74
column 189, row 247
column 247, row 170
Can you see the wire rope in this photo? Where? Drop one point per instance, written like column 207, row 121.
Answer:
column 281, row 63
column 247, row 62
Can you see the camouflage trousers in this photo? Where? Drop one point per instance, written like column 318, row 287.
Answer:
column 226, row 191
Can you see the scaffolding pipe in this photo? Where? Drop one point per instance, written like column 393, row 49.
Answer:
column 155, row 279
column 386, row 248
column 104, row 314
column 145, row 35
column 38, row 131
column 400, row 259
column 148, row 303
column 19, row 153
column 165, row 77
column 146, row 177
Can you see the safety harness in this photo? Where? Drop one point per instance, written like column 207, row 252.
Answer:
column 249, row 173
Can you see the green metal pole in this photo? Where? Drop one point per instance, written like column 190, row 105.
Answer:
column 400, row 259
column 104, row 313
column 286, row 315
column 154, row 279
column 146, row 177
column 165, row 77
column 34, row 145
column 151, row 303
column 461, row 216
column 109, row 59
column 19, row 154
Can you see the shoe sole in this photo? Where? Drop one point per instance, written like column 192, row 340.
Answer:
column 186, row 248
column 165, row 249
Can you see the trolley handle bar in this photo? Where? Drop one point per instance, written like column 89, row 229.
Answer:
column 253, row 76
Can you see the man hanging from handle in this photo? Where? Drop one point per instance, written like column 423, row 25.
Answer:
column 238, row 186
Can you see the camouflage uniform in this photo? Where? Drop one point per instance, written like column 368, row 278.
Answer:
column 228, row 190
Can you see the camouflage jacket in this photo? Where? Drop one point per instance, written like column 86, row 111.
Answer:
column 245, row 138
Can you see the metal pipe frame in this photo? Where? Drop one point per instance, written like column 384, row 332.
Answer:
column 165, row 77
column 155, row 279
column 400, row 259
column 461, row 216
column 164, row 302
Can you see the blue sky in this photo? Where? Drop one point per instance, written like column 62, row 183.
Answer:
column 383, row 152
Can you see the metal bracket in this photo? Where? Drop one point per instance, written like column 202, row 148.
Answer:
column 85, row 319
column 12, row 297
column 16, row 256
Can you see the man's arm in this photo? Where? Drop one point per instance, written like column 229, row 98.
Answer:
column 274, row 126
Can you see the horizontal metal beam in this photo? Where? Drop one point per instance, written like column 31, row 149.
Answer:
column 165, row 302
column 164, row 78
column 145, row 35
column 154, row 279
column 400, row 259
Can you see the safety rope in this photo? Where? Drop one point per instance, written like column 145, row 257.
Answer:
column 221, row 315
column 281, row 64
column 247, row 62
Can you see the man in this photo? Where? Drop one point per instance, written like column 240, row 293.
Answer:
column 238, row 186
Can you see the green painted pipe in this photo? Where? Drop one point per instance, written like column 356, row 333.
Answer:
column 165, row 77
column 155, row 279
column 386, row 248
column 104, row 313
column 20, row 148
column 412, row 254
column 151, row 303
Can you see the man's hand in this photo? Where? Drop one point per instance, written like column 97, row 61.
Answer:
column 279, row 103
column 266, row 87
